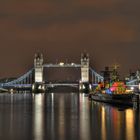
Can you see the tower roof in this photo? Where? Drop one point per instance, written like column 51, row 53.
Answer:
column 84, row 55
column 38, row 55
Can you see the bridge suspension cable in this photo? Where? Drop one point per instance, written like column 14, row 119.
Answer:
column 96, row 75
column 18, row 80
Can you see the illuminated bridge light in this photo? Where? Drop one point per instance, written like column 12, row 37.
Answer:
column 61, row 64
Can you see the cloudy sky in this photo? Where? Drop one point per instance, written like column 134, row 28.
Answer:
column 108, row 29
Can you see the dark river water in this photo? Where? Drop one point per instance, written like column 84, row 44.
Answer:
column 64, row 116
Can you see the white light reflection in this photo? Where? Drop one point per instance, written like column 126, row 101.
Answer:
column 38, row 116
column 52, row 97
column 61, row 118
column 84, row 117
column 11, row 115
column 52, row 116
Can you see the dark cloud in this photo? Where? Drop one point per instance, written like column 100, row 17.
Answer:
column 108, row 30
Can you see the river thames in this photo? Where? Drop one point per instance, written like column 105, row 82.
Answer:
column 64, row 116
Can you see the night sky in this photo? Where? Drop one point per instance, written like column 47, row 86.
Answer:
column 108, row 29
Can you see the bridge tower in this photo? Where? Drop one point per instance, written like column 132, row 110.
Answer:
column 84, row 68
column 38, row 85
column 84, row 83
column 38, row 65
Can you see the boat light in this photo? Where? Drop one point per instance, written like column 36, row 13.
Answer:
column 132, row 88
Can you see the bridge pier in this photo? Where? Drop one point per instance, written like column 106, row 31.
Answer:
column 84, row 87
column 38, row 88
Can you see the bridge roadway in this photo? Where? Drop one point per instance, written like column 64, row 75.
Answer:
column 62, row 65
column 51, row 85
column 47, row 85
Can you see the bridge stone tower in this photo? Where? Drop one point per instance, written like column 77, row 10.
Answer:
column 84, row 83
column 84, row 68
column 38, row 85
column 38, row 65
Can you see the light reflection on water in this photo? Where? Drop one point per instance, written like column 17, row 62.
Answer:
column 103, row 122
column 63, row 116
column 84, row 118
column 130, row 118
column 38, row 120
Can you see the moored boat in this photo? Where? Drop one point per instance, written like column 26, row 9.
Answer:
column 115, row 99
column 112, row 90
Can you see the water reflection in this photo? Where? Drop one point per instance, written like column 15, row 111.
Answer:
column 130, row 124
column 14, row 120
column 103, row 122
column 84, row 118
column 116, row 124
column 38, row 116
column 63, row 116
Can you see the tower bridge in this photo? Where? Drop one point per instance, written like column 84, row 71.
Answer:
column 34, row 78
